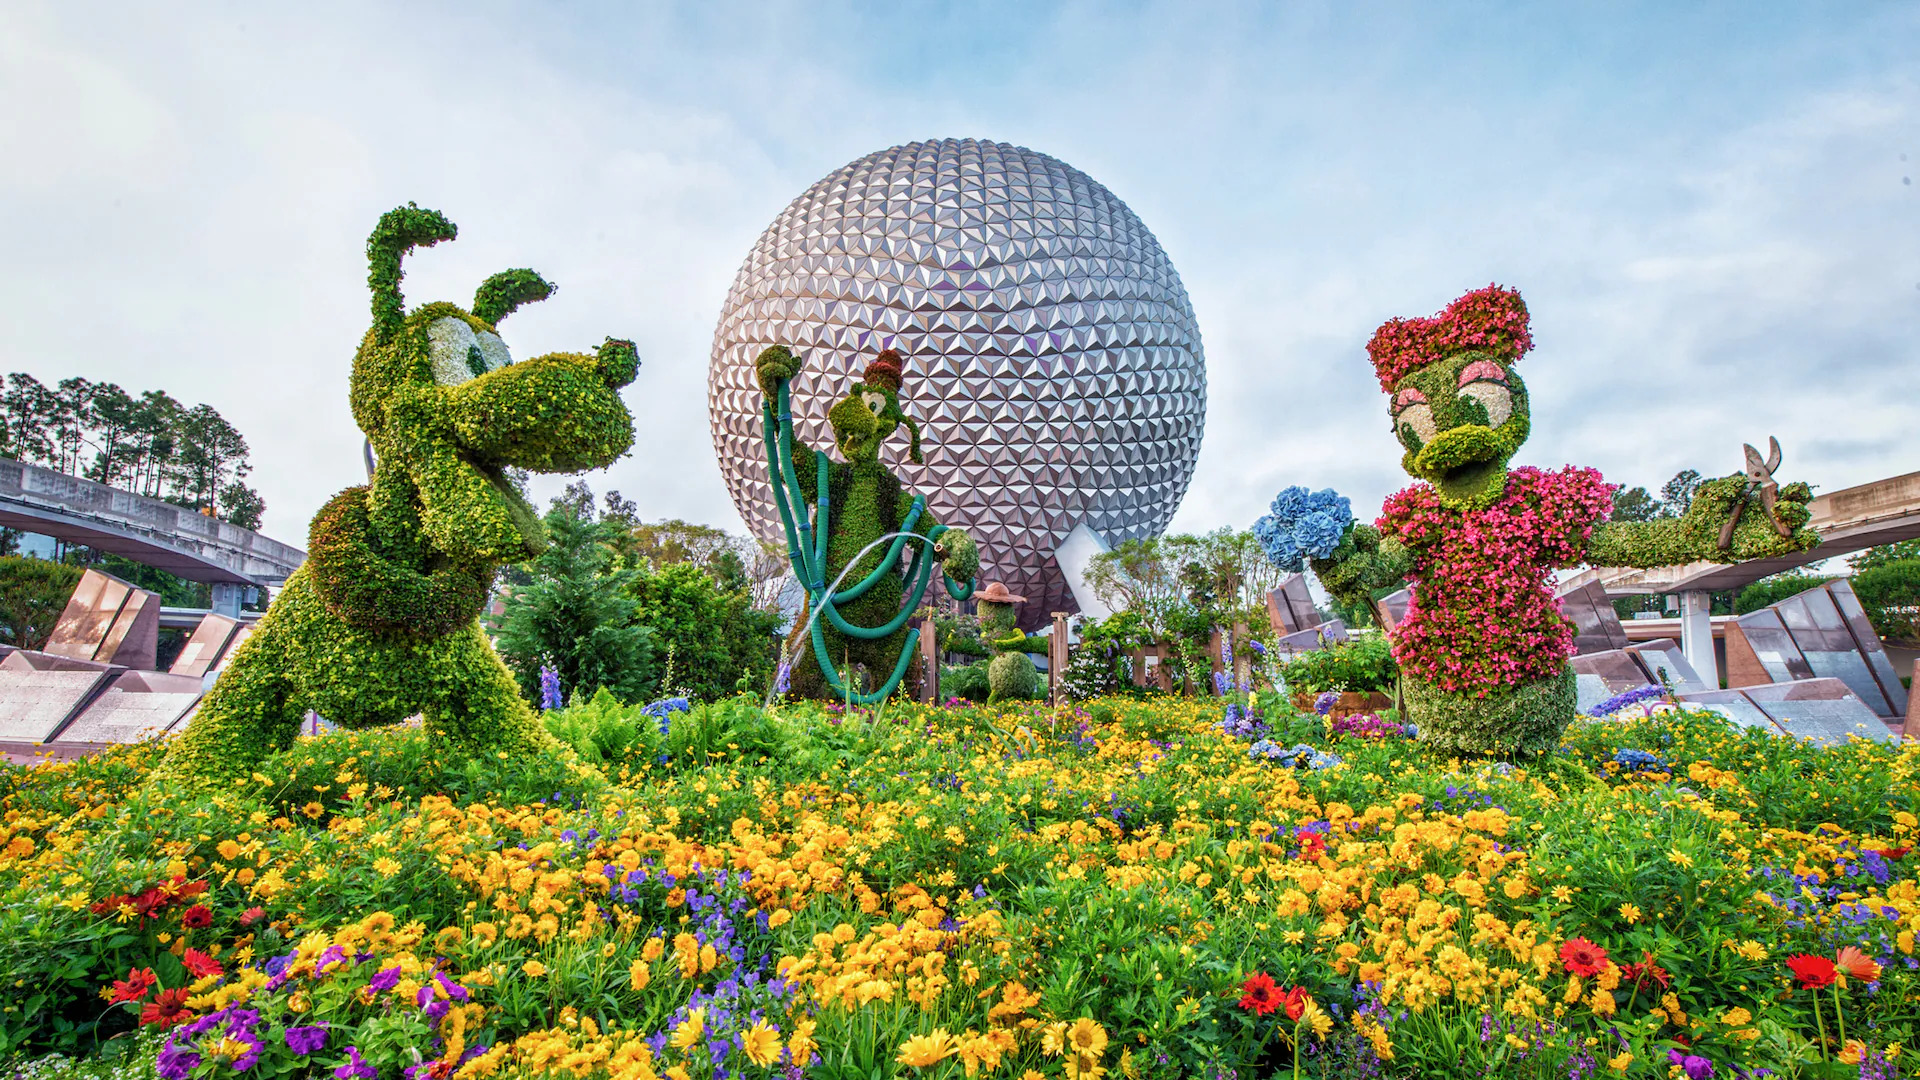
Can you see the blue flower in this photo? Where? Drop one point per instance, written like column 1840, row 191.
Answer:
column 1639, row 760
column 1303, row 524
column 549, row 687
column 1631, row 697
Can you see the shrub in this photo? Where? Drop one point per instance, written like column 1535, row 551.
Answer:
column 1890, row 593
column 32, row 593
column 1772, row 590
column 1360, row 664
column 719, row 641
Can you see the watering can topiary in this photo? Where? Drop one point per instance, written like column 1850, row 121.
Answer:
column 859, row 599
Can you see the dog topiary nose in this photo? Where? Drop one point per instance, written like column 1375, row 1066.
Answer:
column 619, row 362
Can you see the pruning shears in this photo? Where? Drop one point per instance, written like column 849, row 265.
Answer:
column 1760, row 482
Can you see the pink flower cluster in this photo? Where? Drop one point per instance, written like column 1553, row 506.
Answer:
column 1492, row 320
column 1484, row 618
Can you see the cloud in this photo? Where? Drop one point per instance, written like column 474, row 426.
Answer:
column 1711, row 254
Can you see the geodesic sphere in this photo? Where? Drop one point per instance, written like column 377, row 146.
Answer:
column 1050, row 353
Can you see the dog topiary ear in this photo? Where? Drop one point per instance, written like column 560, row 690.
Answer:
column 400, row 230
column 500, row 295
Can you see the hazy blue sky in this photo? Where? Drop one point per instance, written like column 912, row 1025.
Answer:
column 1710, row 208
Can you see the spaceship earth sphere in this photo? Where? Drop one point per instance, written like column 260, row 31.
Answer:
column 1050, row 353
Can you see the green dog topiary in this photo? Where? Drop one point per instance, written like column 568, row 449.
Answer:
column 382, row 622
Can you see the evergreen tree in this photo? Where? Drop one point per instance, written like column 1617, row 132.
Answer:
column 575, row 613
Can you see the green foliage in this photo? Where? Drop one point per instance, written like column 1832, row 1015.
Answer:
column 1772, row 590
column 381, row 622
column 1695, row 535
column 151, row 444
column 969, row 681
column 717, row 638
column 576, row 614
column 604, row 732
column 1634, row 504
column 1361, row 664
column 32, row 594
column 1360, row 570
column 1890, row 593
column 1521, row 722
column 1884, row 554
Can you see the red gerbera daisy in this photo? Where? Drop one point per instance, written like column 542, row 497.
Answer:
column 1646, row 969
column 168, row 1009
column 201, row 964
column 252, row 915
column 1295, row 1002
column 1259, row 994
column 1583, row 957
column 1814, row 972
column 197, row 917
column 134, row 987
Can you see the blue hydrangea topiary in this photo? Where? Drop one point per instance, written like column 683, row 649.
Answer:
column 1303, row 525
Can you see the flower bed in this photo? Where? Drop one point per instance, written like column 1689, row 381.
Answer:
column 1121, row 889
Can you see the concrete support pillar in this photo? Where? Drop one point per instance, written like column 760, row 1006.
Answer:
column 226, row 598
column 1696, row 633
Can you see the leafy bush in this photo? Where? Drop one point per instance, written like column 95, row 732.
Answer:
column 1890, row 593
column 1772, row 590
column 1361, row 664
column 720, row 643
column 32, row 594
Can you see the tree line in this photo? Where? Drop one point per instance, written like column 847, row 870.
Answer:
column 150, row 444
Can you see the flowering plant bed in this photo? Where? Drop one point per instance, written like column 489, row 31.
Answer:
column 1120, row 889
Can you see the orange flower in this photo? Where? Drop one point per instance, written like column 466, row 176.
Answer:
column 1857, row 965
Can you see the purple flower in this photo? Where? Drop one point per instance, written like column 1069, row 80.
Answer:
column 176, row 1062
column 1631, row 697
column 783, row 679
column 454, row 990
column 1695, row 1066
column 549, row 687
column 356, row 1067
column 1257, row 647
column 1325, row 702
column 384, row 980
column 334, row 955
column 305, row 1040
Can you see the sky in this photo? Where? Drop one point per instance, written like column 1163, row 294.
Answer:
column 1710, row 208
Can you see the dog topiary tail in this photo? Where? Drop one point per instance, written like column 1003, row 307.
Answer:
column 400, row 230
column 500, row 295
